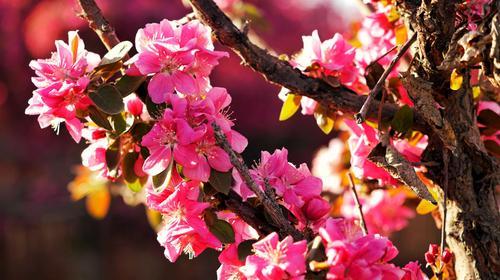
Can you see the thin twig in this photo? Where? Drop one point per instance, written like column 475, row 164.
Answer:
column 358, row 205
column 446, row 160
column 92, row 13
column 361, row 116
column 283, row 74
column 270, row 205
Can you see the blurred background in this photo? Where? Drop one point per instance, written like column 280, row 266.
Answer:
column 45, row 234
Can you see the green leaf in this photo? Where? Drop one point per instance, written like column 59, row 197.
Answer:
column 245, row 249
column 99, row 118
column 154, row 110
column 120, row 124
column 221, row 181
column 403, row 120
column 492, row 147
column 135, row 186
column 128, row 84
column 161, row 181
column 107, row 99
column 139, row 130
column 113, row 158
column 128, row 167
column 222, row 230
column 107, row 71
column 117, row 53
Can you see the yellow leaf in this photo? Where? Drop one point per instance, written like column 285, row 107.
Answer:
column 456, row 80
column 401, row 34
column 425, row 207
column 154, row 218
column 476, row 91
column 85, row 183
column 290, row 106
column 98, row 203
column 325, row 123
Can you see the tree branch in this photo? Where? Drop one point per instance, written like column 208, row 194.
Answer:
column 97, row 22
column 270, row 205
column 282, row 73
column 361, row 116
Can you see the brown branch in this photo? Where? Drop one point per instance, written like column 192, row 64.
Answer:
column 358, row 205
column 92, row 13
column 270, row 205
column 282, row 73
column 246, row 212
column 361, row 116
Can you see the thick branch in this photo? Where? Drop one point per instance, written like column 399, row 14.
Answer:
column 282, row 73
column 92, row 13
column 270, row 205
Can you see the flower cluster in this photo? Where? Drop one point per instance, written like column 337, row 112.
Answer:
column 350, row 255
column 299, row 190
column 332, row 59
column 61, row 82
column 384, row 212
column 184, row 134
column 363, row 139
column 177, row 57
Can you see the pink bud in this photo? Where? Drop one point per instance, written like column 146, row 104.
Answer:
column 447, row 255
column 433, row 249
column 430, row 258
column 134, row 105
column 316, row 208
column 98, row 134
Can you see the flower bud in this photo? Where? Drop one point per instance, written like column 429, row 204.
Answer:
column 430, row 258
column 316, row 208
column 134, row 105
column 447, row 255
column 433, row 249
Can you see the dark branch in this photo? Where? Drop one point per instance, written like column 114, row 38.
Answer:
column 270, row 205
column 361, row 116
column 358, row 205
column 92, row 13
column 282, row 73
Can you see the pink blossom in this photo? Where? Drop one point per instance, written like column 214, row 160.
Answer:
column 61, row 82
column 94, row 156
column 493, row 106
column 183, row 230
column 230, row 262
column 413, row 272
column 333, row 57
column 384, row 213
column 134, row 105
column 353, row 256
column 363, row 139
column 274, row 259
column 177, row 57
column 328, row 164
column 164, row 140
column 227, row 5
column 294, row 185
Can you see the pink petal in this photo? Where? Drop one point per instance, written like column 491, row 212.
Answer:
column 159, row 87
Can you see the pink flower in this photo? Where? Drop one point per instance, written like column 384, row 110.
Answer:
column 352, row 256
column 230, row 262
column 294, row 185
column 494, row 107
column 413, row 272
column 316, row 208
column 164, row 139
column 274, row 259
column 333, row 57
column 384, row 213
column 94, row 156
column 183, row 230
column 363, row 139
column 328, row 164
column 61, row 82
column 134, row 105
column 177, row 57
